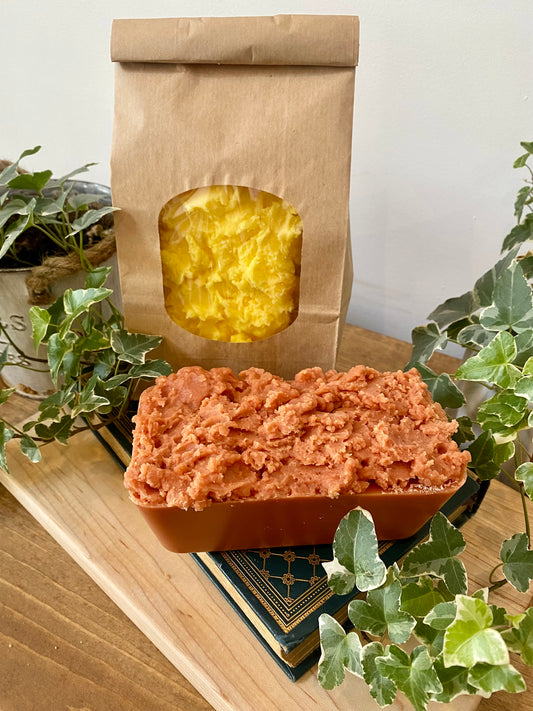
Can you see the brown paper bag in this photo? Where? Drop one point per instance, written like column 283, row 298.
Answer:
column 261, row 102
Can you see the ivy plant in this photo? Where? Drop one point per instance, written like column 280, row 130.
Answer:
column 458, row 643
column 41, row 215
column 95, row 364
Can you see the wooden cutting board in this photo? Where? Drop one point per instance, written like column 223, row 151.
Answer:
column 77, row 494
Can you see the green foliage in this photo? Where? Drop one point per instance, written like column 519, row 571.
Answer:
column 94, row 362
column 464, row 641
column 47, row 205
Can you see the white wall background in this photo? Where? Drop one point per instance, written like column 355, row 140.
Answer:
column 444, row 95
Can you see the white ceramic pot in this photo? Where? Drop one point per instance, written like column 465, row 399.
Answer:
column 14, row 316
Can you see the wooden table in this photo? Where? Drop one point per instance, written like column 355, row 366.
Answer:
column 66, row 646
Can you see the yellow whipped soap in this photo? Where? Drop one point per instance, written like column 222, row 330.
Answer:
column 231, row 262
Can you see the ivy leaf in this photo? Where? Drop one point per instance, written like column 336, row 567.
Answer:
column 464, row 432
column 5, row 435
column 382, row 689
column 339, row 652
column 493, row 364
column 88, row 400
column 489, row 678
column 454, row 309
column 78, row 301
column 97, row 277
column 442, row 616
column 426, row 340
column 524, row 387
column 519, row 639
column 454, row 680
column 60, row 431
column 5, row 394
column 29, row 448
column 524, row 473
column 381, row 612
column 517, row 561
column 340, row 579
column 151, row 369
column 471, row 639
column 31, row 181
column 519, row 234
column 475, row 336
column 50, row 408
column 414, row 674
column 58, row 349
column 523, row 198
column 355, row 546
column 89, row 217
column 441, row 387
column 39, row 318
column 482, row 454
column 484, row 286
column 513, row 303
column 437, row 555
column 432, row 638
column 133, row 347
column 503, row 410
column 10, row 171
column 421, row 596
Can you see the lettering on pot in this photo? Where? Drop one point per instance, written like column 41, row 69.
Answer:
column 14, row 322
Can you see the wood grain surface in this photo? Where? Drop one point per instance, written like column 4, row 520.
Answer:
column 64, row 643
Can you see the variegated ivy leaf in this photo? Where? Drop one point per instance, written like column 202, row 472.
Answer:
column 493, row 364
column 454, row 682
column 5, row 393
column 475, row 336
column 133, row 347
column 29, row 448
column 482, row 453
column 524, row 348
column 441, row 387
column 382, row 689
column 340, row 579
column 455, row 309
column 432, row 638
column 78, row 301
column 426, row 340
column 524, row 387
column 484, row 286
column 340, row 652
column 413, row 674
column 59, row 350
column 5, row 435
column 355, row 546
column 442, row 615
column 150, row 369
column 519, row 639
column 40, row 318
column 380, row 613
column 517, row 561
column 421, row 596
column 503, row 411
column 61, row 431
column 488, row 678
column 88, row 400
column 520, row 233
column 524, row 473
column 437, row 555
column 90, row 217
column 512, row 309
column 471, row 639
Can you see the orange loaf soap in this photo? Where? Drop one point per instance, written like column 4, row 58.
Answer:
column 206, row 436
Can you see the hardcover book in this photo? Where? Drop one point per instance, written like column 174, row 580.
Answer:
column 281, row 592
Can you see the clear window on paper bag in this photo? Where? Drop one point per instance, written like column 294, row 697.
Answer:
column 231, row 262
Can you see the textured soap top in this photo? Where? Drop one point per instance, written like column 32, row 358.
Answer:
column 204, row 436
column 231, row 262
